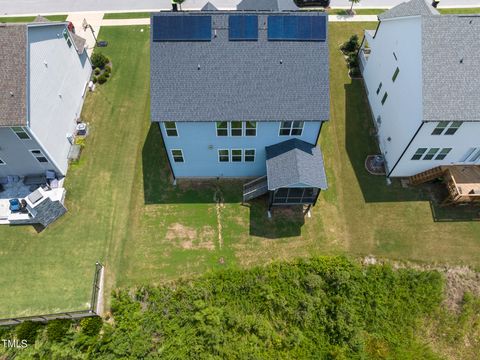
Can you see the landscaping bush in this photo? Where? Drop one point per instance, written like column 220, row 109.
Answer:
column 107, row 74
column 352, row 60
column 102, row 79
column 108, row 69
column 99, row 60
column 28, row 331
column 351, row 45
column 97, row 71
column 91, row 326
column 94, row 79
column 56, row 329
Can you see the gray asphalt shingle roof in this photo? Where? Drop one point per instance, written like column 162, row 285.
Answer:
column 271, row 5
column 451, row 68
column 450, row 61
column 224, row 80
column 410, row 8
column 209, row 7
column 295, row 162
column 13, row 74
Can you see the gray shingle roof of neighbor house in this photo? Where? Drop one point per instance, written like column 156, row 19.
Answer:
column 450, row 61
column 222, row 80
column 451, row 68
column 209, row 7
column 13, row 75
column 410, row 8
column 294, row 162
column 272, row 5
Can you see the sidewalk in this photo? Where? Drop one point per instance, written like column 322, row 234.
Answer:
column 331, row 18
column 92, row 18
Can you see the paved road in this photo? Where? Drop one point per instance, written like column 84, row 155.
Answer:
column 10, row 7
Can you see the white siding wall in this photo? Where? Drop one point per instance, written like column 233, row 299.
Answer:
column 401, row 115
column 465, row 138
column 58, row 76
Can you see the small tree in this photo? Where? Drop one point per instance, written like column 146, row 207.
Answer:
column 353, row 2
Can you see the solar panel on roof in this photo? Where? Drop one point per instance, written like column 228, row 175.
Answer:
column 297, row 28
column 243, row 27
column 182, row 28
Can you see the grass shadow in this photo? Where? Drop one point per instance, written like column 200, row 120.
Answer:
column 285, row 221
column 158, row 185
column 360, row 140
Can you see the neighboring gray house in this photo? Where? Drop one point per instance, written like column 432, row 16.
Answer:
column 43, row 76
column 243, row 94
column 422, row 78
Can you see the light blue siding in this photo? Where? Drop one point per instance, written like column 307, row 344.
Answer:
column 200, row 147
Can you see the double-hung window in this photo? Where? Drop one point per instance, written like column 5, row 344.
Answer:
column 443, row 153
column 236, row 128
column 430, row 154
column 250, row 128
column 395, row 74
column 20, row 132
column 171, row 128
column 236, row 155
column 379, row 88
column 418, row 154
column 453, row 127
column 291, row 128
column 38, row 154
column 249, row 155
column 223, row 155
column 385, row 96
column 222, row 128
column 442, row 125
column 177, row 155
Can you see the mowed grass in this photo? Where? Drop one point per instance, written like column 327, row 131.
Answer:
column 53, row 270
column 25, row 19
column 361, row 11
column 126, row 15
column 125, row 212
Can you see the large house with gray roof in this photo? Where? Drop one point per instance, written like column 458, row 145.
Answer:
column 43, row 76
column 421, row 74
column 43, row 79
column 243, row 95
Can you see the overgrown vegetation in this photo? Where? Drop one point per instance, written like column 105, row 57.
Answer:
column 328, row 308
column 350, row 50
column 102, row 68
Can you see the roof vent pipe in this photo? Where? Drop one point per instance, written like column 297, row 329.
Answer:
column 435, row 3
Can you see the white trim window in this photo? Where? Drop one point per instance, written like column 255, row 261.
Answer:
column 431, row 153
column 39, row 155
column 451, row 128
column 170, row 128
column 291, row 128
column 418, row 154
column 443, row 153
column 250, row 128
column 236, row 155
column 249, row 155
column 222, row 128
column 177, row 155
column 20, row 132
column 441, row 126
column 236, row 128
column 223, row 155
column 2, row 162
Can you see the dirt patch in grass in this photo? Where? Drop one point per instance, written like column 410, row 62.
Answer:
column 191, row 239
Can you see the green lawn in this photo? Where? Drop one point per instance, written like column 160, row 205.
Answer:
column 127, row 15
column 25, row 19
column 379, row 11
column 124, row 211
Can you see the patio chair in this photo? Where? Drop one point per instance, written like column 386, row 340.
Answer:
column 14, row 205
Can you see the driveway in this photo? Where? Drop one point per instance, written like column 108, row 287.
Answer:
column 10, row 7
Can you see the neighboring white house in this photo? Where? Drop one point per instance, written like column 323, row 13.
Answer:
column 44, row 71
column 422, row 76
column 43, row 76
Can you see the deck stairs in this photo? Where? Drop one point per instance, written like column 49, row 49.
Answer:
column 427, row 175
column 255, row 188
